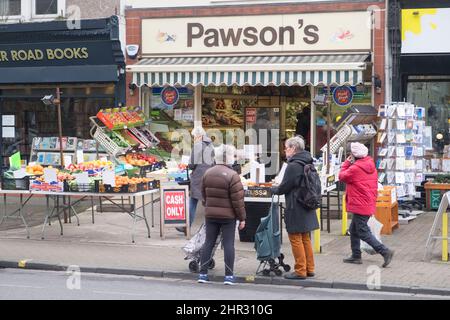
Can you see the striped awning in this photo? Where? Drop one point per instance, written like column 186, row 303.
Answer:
column 255, row 70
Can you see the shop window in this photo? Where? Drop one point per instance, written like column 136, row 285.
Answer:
column 34, row 119
column 172, row 114
column 10, row 8
column 435, row 97
column 361, row 96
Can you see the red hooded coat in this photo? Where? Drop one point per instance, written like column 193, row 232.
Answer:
column 362, row 185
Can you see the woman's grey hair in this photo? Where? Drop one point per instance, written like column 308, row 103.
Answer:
column 198, row 132
column 297, row 143
column 225, row 154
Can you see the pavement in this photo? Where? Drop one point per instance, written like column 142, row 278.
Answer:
column 106, row 247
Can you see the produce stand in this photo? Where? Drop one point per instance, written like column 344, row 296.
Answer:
column 120, row 135
column 60, row 206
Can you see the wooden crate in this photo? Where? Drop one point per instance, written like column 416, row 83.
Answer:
column 387, row 209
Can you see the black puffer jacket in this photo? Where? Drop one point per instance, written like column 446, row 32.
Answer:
column 297, row 218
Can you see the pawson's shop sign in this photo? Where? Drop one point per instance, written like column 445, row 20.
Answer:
column 54, row 54
column 289, row 33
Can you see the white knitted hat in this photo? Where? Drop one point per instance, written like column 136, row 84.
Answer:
column 359, row 150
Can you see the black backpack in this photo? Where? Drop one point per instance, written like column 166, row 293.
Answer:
column 310, row 189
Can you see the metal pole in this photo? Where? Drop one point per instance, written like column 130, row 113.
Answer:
column 445, row 236
column 328, row 212
column 344, row 217
column 328, row 130
column 317, row 246
column 92, row 209
column 145, row 216
column 58, row 104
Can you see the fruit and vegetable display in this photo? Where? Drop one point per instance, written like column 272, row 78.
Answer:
column 130, row 139
column 126, row 184
column 120, row 118
column 117, row 139
column 138, row 159
column 91, row 167
column 62, row 176
column 35, row 170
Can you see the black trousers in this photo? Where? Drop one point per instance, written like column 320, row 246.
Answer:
column 359, row 230
column 213, row 229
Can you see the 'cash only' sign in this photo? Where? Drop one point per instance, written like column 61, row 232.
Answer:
column 174, row 207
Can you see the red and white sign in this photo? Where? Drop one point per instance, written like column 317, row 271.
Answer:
column 250, row 115
column 175, row 205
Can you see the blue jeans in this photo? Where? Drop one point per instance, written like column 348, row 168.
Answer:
column 192, row 208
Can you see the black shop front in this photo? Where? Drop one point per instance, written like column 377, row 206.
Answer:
column 86, row 63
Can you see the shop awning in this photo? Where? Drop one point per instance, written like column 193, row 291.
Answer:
column 253, row 70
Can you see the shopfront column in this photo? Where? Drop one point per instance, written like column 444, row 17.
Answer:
column 198, row 104
column 313, row 121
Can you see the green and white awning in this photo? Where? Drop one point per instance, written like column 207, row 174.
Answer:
column 253, row 71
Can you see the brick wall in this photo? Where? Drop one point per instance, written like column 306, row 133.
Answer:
column 94, row 9
column 134, row 17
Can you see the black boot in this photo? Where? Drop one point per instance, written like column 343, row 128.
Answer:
column 388, row 258
column 353, row 260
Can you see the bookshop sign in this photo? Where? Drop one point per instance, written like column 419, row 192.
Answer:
column 56, row 54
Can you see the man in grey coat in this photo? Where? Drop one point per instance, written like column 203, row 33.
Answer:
column 202, row 158
column 299, row 220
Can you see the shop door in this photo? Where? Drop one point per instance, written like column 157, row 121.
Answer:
column 266, row 123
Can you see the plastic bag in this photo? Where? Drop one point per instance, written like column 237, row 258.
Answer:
column 196, row 243
column 375, row 227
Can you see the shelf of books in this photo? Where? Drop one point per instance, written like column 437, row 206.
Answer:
column 401, row 147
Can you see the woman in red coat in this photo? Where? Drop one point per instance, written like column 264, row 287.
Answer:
column 360, row 175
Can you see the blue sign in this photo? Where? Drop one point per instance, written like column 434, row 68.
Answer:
column 343, row 96
column 170, row 96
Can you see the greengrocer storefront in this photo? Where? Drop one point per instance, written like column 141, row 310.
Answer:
column 252, row 72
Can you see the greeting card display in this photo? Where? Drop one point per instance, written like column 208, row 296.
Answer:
column 401, row 138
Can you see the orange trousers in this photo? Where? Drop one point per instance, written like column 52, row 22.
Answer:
column 303, row 253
